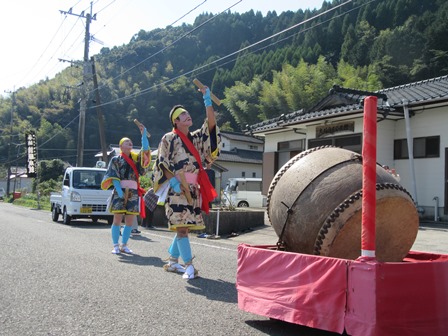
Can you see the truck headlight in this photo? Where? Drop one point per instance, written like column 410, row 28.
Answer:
column 75, row 197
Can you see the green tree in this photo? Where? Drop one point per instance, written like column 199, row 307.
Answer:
column 296, row 88
column 51, row 170
column 348, row 45
column 361, row 78
column 388, row 41
column 242, row 102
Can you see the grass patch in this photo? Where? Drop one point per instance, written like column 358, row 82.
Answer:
column 30, row 201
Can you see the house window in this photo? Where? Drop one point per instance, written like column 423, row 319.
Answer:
column 243, row 174
column 350, row 142
column 426, row 147
column 291, row 145
column 289, row 149
column 400, row 149
column 319, row 142
column 254, row 174
column 253, row 147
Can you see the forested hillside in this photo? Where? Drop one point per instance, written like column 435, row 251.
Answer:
column 261, row 66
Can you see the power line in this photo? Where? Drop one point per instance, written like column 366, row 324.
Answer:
column 70, row 12
column 281, row 40
column 195, row 70
column 172, row 24
column 163, row 49
column 52, row 57
column 174, row 42
column 41, row 55
column 153, row 87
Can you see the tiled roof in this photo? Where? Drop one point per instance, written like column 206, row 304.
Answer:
column 429, row 90
column 241, row 156
column 241, row 137
column 348, row 102
column 218, row 167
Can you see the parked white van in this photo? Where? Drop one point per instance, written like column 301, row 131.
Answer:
column 244, row 192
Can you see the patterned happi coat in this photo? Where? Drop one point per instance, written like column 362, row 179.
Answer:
column 119, row 169
column 175, row 156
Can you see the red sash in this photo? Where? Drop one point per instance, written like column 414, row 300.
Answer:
column 140, row 191
column 208, row 193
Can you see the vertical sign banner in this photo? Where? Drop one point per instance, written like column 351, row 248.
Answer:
column 31, row 149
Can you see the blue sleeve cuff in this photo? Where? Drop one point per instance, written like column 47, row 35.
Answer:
column 207, row 98
column 116, row 183
column 145, row 141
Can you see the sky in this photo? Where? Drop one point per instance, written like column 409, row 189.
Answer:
column 36, row 36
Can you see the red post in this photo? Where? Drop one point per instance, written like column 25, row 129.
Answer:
column 369, row 178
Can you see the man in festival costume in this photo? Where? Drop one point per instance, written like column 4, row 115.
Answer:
column 181, row 181
column 123, row 174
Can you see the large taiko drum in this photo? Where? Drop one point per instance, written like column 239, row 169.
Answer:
column 315, row 207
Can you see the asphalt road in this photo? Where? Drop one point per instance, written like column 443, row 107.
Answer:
column 61, row 279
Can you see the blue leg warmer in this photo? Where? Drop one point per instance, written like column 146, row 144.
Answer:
column 174, row 250
column 184, row 247
column 115, row 229
column 126, row 234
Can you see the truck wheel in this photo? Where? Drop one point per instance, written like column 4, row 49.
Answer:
column 243, row 204
column 66, row 218
column 55, row 214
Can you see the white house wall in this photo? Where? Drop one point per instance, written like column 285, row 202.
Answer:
column 22, row 184
column 385, row 139
column 271, row 141
column 236, row 169
column 385, row 143
column 228, row 145
column 429, row 172
column 225, row 144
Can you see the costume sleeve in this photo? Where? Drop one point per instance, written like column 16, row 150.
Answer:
column 145, row 158
column 142, row 160
column 112, row 173
column 207, row 142
column 145, row 141
column 164, row 159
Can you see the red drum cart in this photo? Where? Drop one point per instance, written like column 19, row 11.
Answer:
column 386, row 291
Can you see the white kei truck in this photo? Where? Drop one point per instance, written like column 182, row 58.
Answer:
column 81, row 196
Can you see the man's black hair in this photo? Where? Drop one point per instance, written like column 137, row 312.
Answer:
column 175, row 107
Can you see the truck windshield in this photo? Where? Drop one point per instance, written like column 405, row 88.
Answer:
column 87, row 179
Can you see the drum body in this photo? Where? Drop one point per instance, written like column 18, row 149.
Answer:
column 322, row 187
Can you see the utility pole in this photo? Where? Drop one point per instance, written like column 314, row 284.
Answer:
column 84, row 93
column 13, row 104
column 99, row 112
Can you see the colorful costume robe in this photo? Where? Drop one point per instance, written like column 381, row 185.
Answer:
column 120, row 170
column 175, row 157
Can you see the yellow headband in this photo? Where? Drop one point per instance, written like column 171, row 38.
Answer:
column 123, row 140
column 177, row 112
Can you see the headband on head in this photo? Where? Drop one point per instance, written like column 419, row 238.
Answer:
column 176, row 113
column 123, row 140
